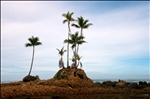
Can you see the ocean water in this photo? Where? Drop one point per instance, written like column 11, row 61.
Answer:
column 127, row 80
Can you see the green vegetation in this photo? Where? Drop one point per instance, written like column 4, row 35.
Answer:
column 75, row 39
column 82, row 24
column 59, row 75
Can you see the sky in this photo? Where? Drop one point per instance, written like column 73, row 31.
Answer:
column 117, row 43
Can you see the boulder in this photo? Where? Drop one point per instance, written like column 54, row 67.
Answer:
column 30, row 78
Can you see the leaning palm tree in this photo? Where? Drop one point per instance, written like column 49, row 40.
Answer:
column 61, row 53
column 68, row 18
column 82, row 24
column 33, row 41
column 75, row 40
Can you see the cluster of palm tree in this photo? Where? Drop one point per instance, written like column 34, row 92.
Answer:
column 74, row 39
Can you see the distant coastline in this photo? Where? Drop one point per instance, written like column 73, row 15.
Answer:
column 127, row 80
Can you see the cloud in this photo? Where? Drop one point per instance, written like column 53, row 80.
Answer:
column 115, row 31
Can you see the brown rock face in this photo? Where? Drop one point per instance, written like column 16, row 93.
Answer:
column 70, row 78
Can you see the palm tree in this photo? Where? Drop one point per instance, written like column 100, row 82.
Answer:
column 68, row 18
column 61, row 53
column 82, row 24
column 33, row 41
column 75, row 40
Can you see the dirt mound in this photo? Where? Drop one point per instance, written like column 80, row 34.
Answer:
column 72, row 78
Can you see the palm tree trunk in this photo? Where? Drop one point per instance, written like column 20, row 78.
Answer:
column 68, row 45
column 31, row 62
column 77, row 48
column 75, row 56
column 81, row 34
column 62, row 62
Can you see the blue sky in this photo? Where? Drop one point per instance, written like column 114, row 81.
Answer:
column 118, row 40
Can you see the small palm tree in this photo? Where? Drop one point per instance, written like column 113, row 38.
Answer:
column 33, row 41
column 82, row 24
column 68, row 18
column 75, row 39
column 61, row 53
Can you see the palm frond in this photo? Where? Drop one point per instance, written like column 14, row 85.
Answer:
column 65, row 21
column 61, row 52
column 66, row 41
column 64, row 15
column 38, row 43
column 71, row 13
column 75, row 25
column 81, row 42
column 58, row 49
column 87, row 25
column 73, row 46
column 28, row 44
column 33, row 41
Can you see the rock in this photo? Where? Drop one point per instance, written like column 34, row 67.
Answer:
column 121, row 83
column 143, row 83
column 135, row 86
column 109, row 83
column 98, row 84
column 30, row 78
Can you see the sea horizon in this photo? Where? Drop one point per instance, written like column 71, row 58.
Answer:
column 127, row 80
